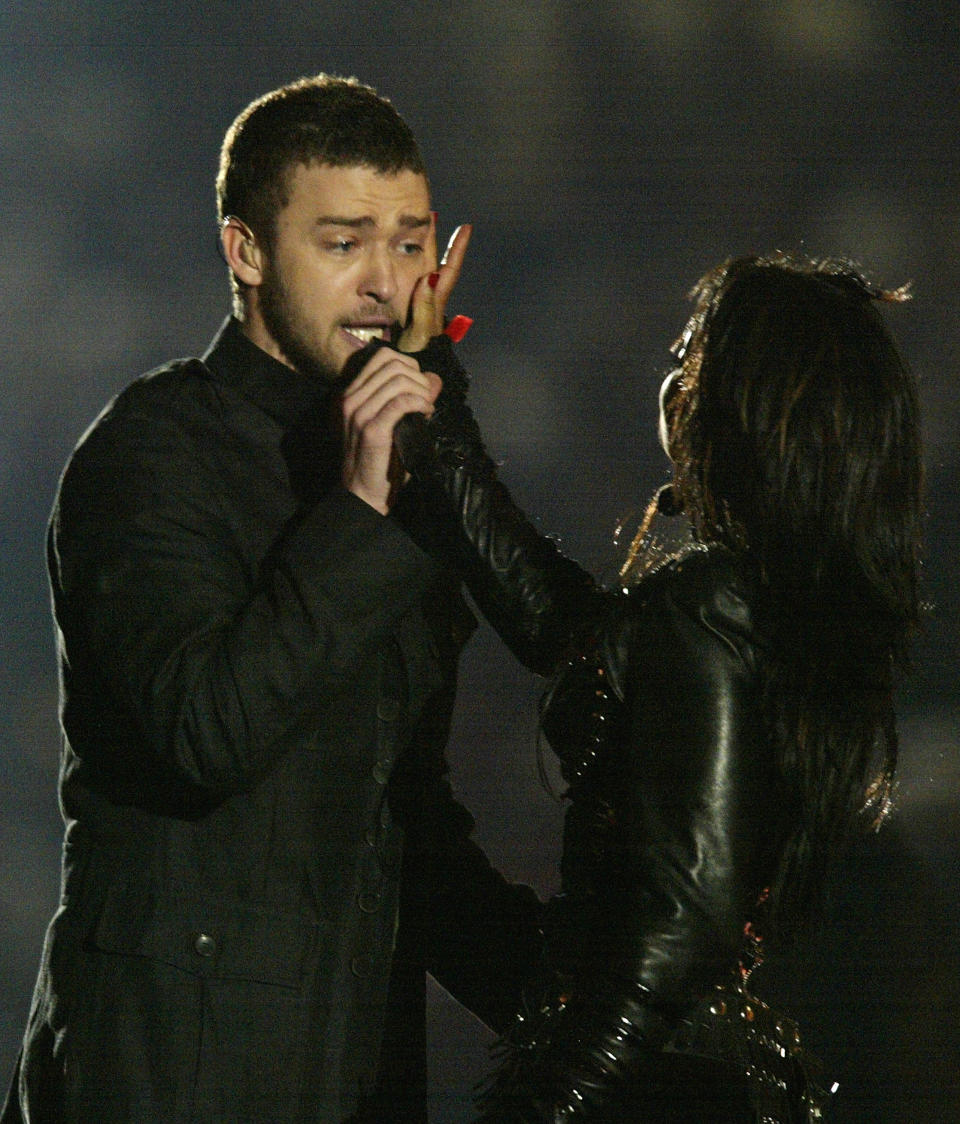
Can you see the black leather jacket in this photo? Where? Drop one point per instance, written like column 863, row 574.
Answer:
column 676, row 818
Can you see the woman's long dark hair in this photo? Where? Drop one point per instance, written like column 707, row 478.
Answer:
column 793, row 427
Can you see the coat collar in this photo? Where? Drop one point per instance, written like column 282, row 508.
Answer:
column 283, row 393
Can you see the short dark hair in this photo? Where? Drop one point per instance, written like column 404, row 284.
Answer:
column 322, row 119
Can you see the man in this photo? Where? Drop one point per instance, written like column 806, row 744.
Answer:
column 262, row 854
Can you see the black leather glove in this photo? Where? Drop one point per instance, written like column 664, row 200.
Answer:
column 567, row 1052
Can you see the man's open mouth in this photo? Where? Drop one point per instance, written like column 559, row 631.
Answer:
column 370, row 332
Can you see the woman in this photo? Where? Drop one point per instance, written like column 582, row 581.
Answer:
column 718, row 717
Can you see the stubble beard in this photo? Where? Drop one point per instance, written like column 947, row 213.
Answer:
column 276, row 311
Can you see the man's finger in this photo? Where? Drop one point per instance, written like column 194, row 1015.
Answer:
column 379, row 393
column 375, row 370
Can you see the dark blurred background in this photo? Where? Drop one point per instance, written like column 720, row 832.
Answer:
column 607, row 153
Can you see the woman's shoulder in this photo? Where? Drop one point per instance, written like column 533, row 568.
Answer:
column 695, row 602
column 710, row 583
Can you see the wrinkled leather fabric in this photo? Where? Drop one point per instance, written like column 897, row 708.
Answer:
column 677, row 817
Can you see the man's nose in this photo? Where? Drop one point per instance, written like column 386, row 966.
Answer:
column 379, row 278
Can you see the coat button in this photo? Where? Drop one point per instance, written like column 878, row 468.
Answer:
column 368, row 901
column 381, row 771
column 205, row 945
column 388, row 709
column 360, row 966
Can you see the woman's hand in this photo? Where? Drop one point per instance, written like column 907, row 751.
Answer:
column 428, row 303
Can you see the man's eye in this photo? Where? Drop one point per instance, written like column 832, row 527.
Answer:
column 410, row 249
column 340, row 245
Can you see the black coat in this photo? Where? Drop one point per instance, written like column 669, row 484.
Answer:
column 262, row 855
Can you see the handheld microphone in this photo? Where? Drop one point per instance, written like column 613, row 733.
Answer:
column 410, row 437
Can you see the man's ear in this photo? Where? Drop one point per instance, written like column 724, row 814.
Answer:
column 241, row 251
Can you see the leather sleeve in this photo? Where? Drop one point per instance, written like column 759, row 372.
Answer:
column 701, row 795
column 535, row 597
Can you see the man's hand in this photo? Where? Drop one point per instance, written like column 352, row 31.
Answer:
column 428, row 303
column 389, row 386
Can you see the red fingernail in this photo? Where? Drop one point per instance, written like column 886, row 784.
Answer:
column 435, row 215
column 458, row 328
column 432, row 280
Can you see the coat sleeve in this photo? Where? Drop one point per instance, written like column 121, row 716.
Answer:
column 481, row 937
column 537, row 599
column 476, row 933
column 695, row 831
column 189, row 657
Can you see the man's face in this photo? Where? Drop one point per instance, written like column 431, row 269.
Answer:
column 347, row 251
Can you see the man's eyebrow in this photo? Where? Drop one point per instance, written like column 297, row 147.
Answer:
column 408, row 222
column 343, row 220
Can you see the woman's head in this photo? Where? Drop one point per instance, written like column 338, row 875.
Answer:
column 792, row 423
column 793, row 426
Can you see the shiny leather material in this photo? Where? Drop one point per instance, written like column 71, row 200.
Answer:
column 672, row 833
column 677, row 816
column 537, row 599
